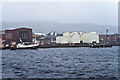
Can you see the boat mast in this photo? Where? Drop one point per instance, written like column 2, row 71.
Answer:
column 35, row 38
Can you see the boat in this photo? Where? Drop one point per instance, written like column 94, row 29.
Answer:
column 6, row 46
column 24, row 45
column 99, row 45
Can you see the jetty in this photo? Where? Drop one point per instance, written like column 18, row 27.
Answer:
column 66, row 46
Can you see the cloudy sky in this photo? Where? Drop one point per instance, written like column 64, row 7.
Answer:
column 104, row 13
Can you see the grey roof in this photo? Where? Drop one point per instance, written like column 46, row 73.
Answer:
column 43, row 38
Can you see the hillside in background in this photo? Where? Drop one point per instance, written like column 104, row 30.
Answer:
column 47, row 26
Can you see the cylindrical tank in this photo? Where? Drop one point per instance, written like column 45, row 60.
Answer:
column 67, row 34
column 58, row 39
column 61, row 39
column 93, row 37
column 75, row 37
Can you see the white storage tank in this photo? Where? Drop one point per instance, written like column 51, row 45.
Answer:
column 90, row 37
column 58, row 39
column 93, row 37
column 75, row 37
column 61, row 39
column 67, row 34
column 78, row 37
column 69, row 39
column 84, row 38
column 81, row 36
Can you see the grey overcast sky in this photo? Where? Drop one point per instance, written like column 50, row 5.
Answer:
column 104, row 13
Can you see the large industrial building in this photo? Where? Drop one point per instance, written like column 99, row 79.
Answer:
column 78, row 37
column 17, row 35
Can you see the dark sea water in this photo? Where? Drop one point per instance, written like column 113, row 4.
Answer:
column 61, row 63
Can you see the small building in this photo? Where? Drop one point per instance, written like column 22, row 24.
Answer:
column 18, row 34
column 2, row 35
column 52, row 36
column 108, row 38
column 36, row 37
column 2, row 38
column 118, row 39
column 1, row 45
column 44, row 40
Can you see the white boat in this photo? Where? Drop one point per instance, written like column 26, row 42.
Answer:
column 25, row 45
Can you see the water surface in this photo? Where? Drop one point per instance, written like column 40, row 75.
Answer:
column 61, row 63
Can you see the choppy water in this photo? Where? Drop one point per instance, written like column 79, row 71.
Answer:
column 61, row 63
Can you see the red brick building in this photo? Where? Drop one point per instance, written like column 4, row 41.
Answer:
column 2, row 36
column 37, row 36
column 14, row 35
column 110, row 38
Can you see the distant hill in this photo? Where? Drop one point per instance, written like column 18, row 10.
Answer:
column 47, row 26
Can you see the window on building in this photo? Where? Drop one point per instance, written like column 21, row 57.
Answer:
column 24, row 35
column 8, row 36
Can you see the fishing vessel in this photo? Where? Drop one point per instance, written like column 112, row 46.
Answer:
column 24, row 45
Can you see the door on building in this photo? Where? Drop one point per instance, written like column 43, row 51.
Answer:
column 24, row 36
column 81, row 41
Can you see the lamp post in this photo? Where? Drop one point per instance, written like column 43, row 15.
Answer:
column 35, row 38
column 106, row 35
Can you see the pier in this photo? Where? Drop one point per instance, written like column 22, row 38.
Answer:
column 72, row 46
column 67, row 46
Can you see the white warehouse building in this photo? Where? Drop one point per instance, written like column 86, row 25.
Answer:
column 78, row 37
column 89, row 37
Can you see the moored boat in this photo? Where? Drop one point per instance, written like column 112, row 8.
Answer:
column 24, row 45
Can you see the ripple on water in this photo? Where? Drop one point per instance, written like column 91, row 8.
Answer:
column 60, row 63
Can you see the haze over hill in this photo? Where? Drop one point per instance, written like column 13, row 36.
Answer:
column 48, row 26
column 45, row 17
